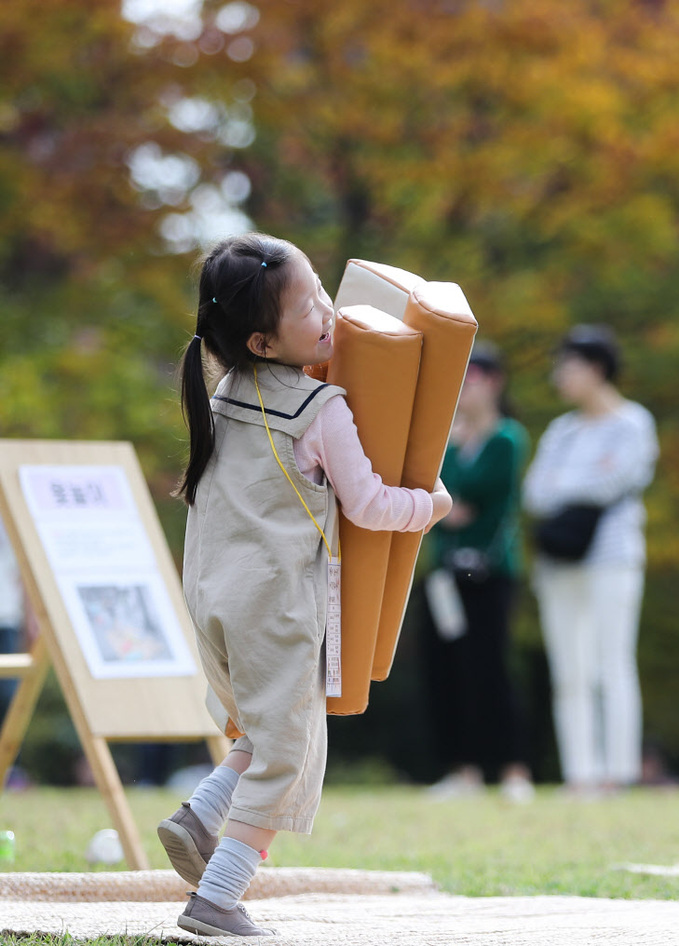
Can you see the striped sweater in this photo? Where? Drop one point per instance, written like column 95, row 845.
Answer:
column 607, row 460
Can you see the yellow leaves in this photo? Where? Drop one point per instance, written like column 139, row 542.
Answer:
column 663, row 504
column 22, row 399
column 663, row 336
column 527, row 149
column 639, row 232
column 523, row 300
column 647, row 223
column 590, row 107
column 660, row 150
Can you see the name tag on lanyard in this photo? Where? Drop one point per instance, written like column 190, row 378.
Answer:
column 333, row 631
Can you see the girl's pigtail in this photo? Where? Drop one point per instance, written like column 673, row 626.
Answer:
column 240, row 288
column 198, row 418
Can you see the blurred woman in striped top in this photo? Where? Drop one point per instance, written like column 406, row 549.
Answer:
column 601, row 453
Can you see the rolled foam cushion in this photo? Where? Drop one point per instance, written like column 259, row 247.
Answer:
column 376, row 359
column 376, row 284
column 442, row 314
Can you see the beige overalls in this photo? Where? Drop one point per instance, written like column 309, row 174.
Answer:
column 255, row 581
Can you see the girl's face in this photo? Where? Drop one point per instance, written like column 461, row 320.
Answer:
column 576, row 379
column 304, row 331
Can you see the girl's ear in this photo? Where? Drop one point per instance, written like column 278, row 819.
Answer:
column 257, row 344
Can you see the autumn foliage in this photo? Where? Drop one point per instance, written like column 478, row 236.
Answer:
column 527, row 149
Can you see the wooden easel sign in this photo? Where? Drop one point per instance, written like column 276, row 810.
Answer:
column 109, row 605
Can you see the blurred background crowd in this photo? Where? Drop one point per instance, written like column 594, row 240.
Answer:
column 527, row 150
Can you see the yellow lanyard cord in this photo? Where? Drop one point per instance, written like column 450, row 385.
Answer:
column 287, row 475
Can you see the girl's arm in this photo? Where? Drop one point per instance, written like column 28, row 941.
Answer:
column 331, row 444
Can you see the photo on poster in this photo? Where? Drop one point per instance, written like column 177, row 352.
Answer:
column 126, row 625
column 123, row 622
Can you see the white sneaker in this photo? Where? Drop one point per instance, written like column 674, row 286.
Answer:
column 455, row 785
column 517, row 789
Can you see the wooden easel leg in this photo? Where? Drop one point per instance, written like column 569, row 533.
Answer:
column 218, row 747
column 21, row 708
column 109, row 784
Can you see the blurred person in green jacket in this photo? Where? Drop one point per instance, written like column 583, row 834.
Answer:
column 474, row 718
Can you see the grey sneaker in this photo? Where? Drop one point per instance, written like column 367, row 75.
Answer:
column 207, row 919
column 187, row 843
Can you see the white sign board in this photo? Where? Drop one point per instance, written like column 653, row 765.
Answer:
column 106, row 571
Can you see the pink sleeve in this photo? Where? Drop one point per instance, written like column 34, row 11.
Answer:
column 331, row 444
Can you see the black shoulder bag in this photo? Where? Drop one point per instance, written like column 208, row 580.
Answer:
column 567, row 535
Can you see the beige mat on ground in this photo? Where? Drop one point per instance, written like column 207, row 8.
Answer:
column 416, row 916
column 165, row 885
column 428, row 919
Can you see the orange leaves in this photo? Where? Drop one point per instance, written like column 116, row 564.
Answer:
column 527, row 149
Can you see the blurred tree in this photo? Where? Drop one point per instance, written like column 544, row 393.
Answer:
column 528, row 150
column 101, row 136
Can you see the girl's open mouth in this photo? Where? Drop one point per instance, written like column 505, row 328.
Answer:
column 324, row 337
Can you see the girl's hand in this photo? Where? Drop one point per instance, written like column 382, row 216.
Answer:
column 442, row 504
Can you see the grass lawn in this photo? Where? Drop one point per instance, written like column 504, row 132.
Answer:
column 475, row 847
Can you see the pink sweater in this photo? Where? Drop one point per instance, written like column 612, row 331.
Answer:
column 331, row 445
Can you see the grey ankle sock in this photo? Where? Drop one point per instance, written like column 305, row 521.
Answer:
column 228, row 873
column 212, row 799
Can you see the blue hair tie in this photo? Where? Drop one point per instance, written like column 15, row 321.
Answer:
column 263, row 264
column 214, row 299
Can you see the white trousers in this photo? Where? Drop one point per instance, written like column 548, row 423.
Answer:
column 590, row 620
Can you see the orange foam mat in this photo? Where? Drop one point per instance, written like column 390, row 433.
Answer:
column 376, row 359
column 441, row 315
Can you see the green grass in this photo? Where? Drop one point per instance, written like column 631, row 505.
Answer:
column 8, row 939
column 476, row 847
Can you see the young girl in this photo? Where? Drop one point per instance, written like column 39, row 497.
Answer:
column 268, row 454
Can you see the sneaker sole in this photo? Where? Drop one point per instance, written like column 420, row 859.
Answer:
column 182, row 851
column 204, row 929
column 195, row 926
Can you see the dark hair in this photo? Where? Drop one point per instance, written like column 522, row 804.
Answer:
column 487, row 357
column 241, row 283
column 596, row 344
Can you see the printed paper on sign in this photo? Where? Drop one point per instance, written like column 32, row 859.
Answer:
column 106, row 570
